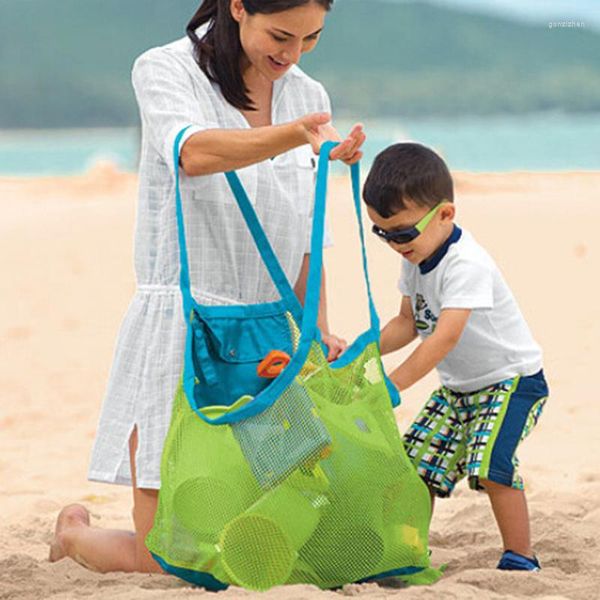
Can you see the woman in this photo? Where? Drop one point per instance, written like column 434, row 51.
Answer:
column 234, row 79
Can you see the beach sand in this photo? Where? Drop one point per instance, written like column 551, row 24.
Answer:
column 67, row 277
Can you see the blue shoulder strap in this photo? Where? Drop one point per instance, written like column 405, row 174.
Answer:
column 264, row 246
column 313, row 287
column 311, row 304
column 355, row 174
column 258, row 235
column 184, row 270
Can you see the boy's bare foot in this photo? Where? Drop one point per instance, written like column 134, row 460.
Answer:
column 73, row 515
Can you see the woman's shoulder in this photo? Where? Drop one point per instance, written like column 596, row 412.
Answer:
column 171, row 60
column 177, row 52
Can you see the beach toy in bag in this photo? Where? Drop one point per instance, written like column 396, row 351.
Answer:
column 279, row 467
column 285, row 437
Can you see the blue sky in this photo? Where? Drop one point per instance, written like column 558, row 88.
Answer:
column 539, row 12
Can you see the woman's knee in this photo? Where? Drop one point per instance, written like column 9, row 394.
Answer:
column 145, row 502
column 145, row 563
column 66, row 540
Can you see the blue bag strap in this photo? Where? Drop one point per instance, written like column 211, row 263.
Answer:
column 184, row 269
column 263, row 245
column 311, row 304
column 258, row 235
column 355, row 175
column 313, row 286
column 313, row 283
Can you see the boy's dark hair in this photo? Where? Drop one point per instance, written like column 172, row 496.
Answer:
column 407, row 171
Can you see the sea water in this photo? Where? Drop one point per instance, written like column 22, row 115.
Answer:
column 538, row 142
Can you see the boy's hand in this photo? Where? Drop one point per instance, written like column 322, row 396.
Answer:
column 335, row 345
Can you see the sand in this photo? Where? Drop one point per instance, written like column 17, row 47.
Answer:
column 67, row 277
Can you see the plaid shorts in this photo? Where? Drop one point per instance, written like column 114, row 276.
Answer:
column 475, row 433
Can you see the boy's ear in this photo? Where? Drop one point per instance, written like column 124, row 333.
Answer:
column 448, row 212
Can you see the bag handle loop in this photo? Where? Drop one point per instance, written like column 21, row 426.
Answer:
column 261, row 241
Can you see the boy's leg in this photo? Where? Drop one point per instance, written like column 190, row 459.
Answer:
column 510, row 510
column 107, row 550
column 505, row 414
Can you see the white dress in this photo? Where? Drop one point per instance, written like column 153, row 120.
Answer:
column 225, row 267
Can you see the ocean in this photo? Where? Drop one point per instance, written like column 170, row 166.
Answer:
column 538, row 142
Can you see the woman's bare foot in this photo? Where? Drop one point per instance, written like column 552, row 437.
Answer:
column 73, row 515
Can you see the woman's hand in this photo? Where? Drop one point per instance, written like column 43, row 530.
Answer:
column 335, row 345
column 318, row 130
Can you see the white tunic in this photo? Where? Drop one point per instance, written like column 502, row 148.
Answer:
column 225, row 267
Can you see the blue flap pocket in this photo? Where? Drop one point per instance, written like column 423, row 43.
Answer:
column 227, row 351
column 243, row 339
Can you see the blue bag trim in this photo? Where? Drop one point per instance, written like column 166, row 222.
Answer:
column 356, row 349
column 404, row 571
column 240, row 310
column 307, row 315
column 212, row 584
column 205, row 580
column 392, row 391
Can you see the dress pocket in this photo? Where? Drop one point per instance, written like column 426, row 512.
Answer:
column 296, row 171
column 214, row 189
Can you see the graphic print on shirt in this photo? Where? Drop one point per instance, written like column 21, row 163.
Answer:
column 425, row 320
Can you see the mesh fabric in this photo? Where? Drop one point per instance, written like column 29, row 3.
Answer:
column 315, row 489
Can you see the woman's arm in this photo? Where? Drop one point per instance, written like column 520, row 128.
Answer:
column 219, row 150
column 169, row 100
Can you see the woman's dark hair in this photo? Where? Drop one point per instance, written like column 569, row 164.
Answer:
column 407, row 171
column 219, row 51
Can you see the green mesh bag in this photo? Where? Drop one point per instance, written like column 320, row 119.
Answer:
column 303, row 478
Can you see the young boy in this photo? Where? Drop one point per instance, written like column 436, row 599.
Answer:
column 455, row 298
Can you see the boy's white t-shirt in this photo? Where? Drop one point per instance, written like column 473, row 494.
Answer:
column 496, row 343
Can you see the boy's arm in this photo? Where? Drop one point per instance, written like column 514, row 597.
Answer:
column 400, row 331
column 447, row 332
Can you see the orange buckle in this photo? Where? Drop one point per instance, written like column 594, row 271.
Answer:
column 272, row 365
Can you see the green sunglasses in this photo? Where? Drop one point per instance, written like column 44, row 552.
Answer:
column 403, row 236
